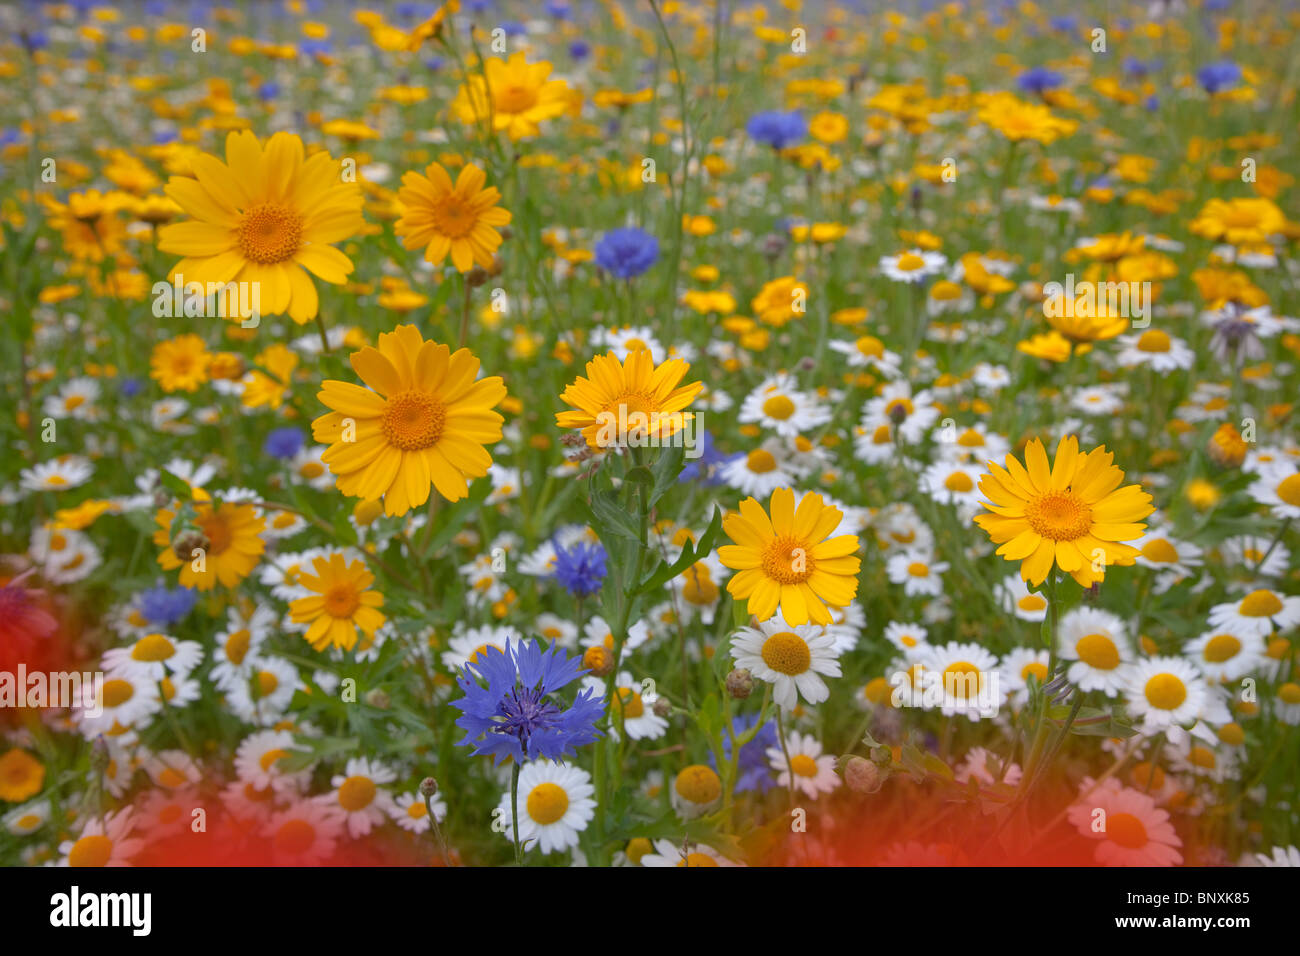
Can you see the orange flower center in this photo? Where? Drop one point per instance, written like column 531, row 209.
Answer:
column 454, row 216
column 1220, row 648
column 91, row 851
column 1259, row 603
column 1153, row 341
column 760, row 461
column 1059, row 515
column 1097, row 651
column 803, row 765
column 1289, row 489
column 152, row 648
column 1165, row 692
column 216, row 530
column 356, row 793
column 516, row 98
column 959, row 482
column 787, row 561
column 269, row 233
column 341, row 600
column 413, row 420
column 1126, row 830
column 295, row 837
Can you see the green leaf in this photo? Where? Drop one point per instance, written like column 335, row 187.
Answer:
column 179, row 487
column 666, row 469
column 611, row 518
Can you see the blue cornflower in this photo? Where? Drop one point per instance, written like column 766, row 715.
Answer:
column 163, row 607
column 1219, row 76
column 268, row 90
column 579, row 49
column 626, row 253
column 130, row 387
column 1039, row 80
column 515, row 715
column 777, row 129
column 753, row 771
column 704, row 467
column 559, row 9
column 283, row 443
column 1066, row 24
column 581, row 569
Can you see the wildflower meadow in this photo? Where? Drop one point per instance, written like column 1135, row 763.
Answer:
column 696, row 433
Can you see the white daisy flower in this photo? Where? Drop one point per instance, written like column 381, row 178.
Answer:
column 304, row 834
column 63, row 555
column 60, row 474
column 635, row 701
column 1278, row 486
column 917, row 571
column 1259, row 612
column 27, row 818
column 1133, row 831
column 791, row 660
column 165, row 813
column 912, row 415
column 1017, row 667
column 597, row 633
column 914, row 265
column 668, row 853
column 1223, row 656
column 779, row 405
column 1015, row 597
column 760, row 472
column 359, row 796
column 869, row 352
column 1157, row 349
column 812, row 771
column 1098, row 644
column 154, row 656
column 238, row 646
column 128, row 701
column 1280, row 856
column 1286, row 703
column 464, row 648
column 953, row 484
column 76, row 399
column 258, row 762
column 555, row 805
column 987, row 769
column 624, row 341
column 410, row 812
column 103, row 841
column 1098, row 399
column 1253, row 554
column 264, row 694
column 962, row 679
column 1169, row 692
column 911, row 639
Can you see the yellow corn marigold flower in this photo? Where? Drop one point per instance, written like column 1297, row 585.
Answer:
column 432, row 27
column 619, row 398
column 1226, row 447
column 231, row 551
column 517, row 96
column 444, row 218
column 180, row 364
column 266, row 216
column 1239, row 221
column 788, row 560
column 422, row 422
column 781, row 301
column 1071, row 513
column 21, row 776
column 343, row 603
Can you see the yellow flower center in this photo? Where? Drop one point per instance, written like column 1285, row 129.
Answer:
column 152, row 648
column 1200, row 756
column 760, row 461
column 1220, row 648
column 1232, row 734
column 413, row 420
column 266, row 683
column 1098, row 651
column 269, row 233
column 1165, row 692
column 91, row 851
column 787, row 653
column 454, row 216
column 945, row 291
column 910, row 262
column 778, row 407
column 342, row 600
column 1037, row 668
column 1153, row 340
column 417, row 811
column 787, row 561
column 697, row 859
column 216, row 530
column 632, row 705
column 959, row 482
column 1160, row 551
column 117, row 692
column 918, row 570
column 547, row 803
column 270, row 757
column 881, row 435
column 803, row 765
column 295, row 837
column 698, row 784
column 515, row 98
column 871, row 346
column 1031, row 602
column 900, row 403
column 956, row 677
column 1059, row 515
column 237, row 645
column 1289, row 490
column 1259, row 603
column 356, row 793
column 699, row 587
column 1289, row 693
column 171, row 777
column 1126, row 830
column 970, row 438
column 638, row 847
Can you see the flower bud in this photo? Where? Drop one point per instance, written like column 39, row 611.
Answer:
column 476, row 277
column 185, row 543
column 740, row 683
column 377, row 698
column 661, row 707
column 598, row 660
column 862, row 776
column 428, row 787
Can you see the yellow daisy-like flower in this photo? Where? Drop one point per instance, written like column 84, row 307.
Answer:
column 617, row 397
column 780, row 301
column 517, row 96
column 444, row 218
column 1072, row 513
column 422, row 422
column 180, row 364
column 1239, row 221
column 266, row 216
column 432, row 27
column 231, row 551
column 342, row 604
column 788, row 560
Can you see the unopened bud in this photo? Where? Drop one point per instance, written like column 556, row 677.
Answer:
column 774, row 244
column 897, row 413
column 661, row 707
column 377, row 698
column 428, row 787
column 740, row 683
column 598, row 660
column 476, row 277
column 862, row 776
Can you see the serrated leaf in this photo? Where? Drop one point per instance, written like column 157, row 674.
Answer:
column 611, row 519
